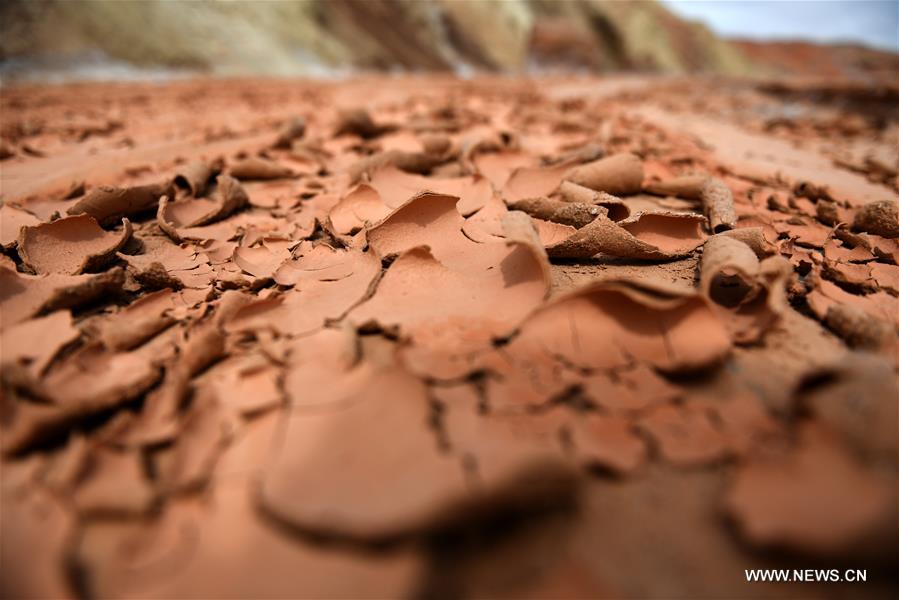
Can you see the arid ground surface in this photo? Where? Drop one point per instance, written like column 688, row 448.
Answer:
column 426, row 337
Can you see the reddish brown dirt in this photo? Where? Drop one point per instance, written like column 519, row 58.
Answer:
column 831, row 61
column 423, row 337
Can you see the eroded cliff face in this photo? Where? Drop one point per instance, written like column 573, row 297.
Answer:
column 324, row 36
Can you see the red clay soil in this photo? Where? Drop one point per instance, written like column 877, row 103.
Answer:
column 822, row 60
column 423, row 337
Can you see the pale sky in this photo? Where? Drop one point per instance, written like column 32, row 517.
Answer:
column 870, row 22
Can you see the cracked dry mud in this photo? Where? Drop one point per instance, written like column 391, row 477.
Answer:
column 430, row 338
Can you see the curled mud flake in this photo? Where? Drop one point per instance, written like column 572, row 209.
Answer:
column 588, row 152
column 292, row 130
column 24, row 296
column 108, row 204
column 718, row 204
column 509, row 451
column 135, row 557
column 229, row 197
column 70, row 246
column 94, row 379
column 341, row 500
column 802, row 206
column 608, row 443
column 850, row 275
column 114, row 486
column 318, row 262
column 34, row 343
column 357, row 121
column 853, row 240
column 273, row 195
column 428, row 219
column 885, row 249
column 804, row 232
column 880, row 306
column 685, row 186
column 497, row 167
column 619, row 175
column 165, row 264
column 339, row 495
column 831, row 213
column 754, row 237
column 752, row 294
column 196, row 175
column 159, row 419
column 397, row 187
column 528, row 379
column 139, row 321
column 45, row 209
column 575, row 214
column 533, row 182
column 817, row 498
column 886, row 276
column 729, row 271
column 37, row 529
column 744, row 421
column 7, row 150
column 76, row 190
column 317, row 301
column 602, row 324
column 486, row 225
column 812, row 191
column 68, row 466
column 631, row 390
column 858, row 328
column 757, row 316
column 519, row 277
column 360, row 207
column 410, row 162
column 248, row 384
column 183, row 210
column 686, row 435
column 657, row 236
column 260, row 261
column 572, row 192
column 674, row 234
column 322, row 371
column 475, row 307
column 29, row 423
column 205, row 345
column 205, row 432
column 551, row 233
column 12, row 220
column 217, row 545
column 855, row 397
column 879, row 218
column 90, row 381
column 485, row 140
column 256, row 168
column 836, row 251
column 439, row 145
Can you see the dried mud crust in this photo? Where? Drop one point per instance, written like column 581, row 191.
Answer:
column 422, row 337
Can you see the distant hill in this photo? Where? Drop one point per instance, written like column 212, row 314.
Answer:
column 320, row 37
column 324, row 36
column 820, row 60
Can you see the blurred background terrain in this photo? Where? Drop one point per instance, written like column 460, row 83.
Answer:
column 43, row 39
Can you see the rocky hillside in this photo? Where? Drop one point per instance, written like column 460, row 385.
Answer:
column 328, row 36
